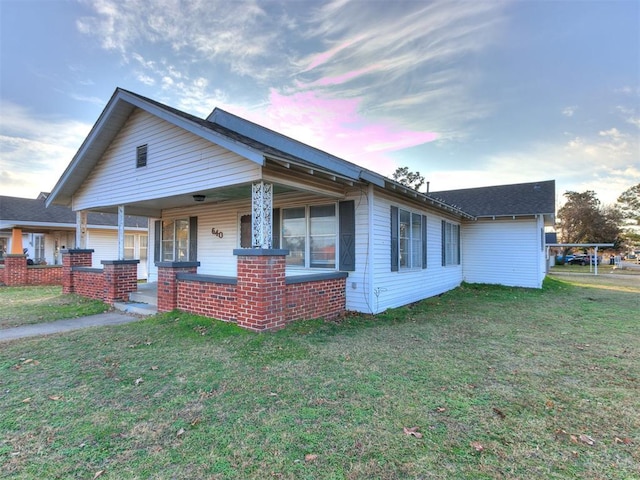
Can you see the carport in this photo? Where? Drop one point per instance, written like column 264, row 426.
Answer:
column 595, row 246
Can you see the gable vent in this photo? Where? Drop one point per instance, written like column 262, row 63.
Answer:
column 141, row 156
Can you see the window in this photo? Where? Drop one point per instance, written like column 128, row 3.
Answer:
column 450, row 244
column 141, row 156
column 129, row 247
column 144, row 242
column 322, row 236
column 175, row 240
column 310, row 234
column 38, row 248
column 409, row 235
column 294, row 235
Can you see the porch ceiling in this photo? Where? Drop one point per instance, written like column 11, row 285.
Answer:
column 154, row 207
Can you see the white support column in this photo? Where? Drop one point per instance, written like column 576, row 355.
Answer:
column 595, row 259
column 261, row 217
column 81, row 229
column 120, row 232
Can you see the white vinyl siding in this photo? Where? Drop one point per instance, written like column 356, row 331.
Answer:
column 488, row 258
column 104, row 244
column 178, row 162
column 393, row 289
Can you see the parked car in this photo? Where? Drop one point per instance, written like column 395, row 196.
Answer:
column 567, row 258
column 585, row 260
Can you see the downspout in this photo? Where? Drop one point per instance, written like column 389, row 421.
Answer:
column 371, row 248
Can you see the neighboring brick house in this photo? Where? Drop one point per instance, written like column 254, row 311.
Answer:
column 251, row 226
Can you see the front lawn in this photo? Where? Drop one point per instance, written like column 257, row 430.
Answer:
column 28, row 305
column 480, row 383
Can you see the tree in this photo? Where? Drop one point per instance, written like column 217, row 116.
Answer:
column 584, row 220
column 410, row 179
column 630, row 203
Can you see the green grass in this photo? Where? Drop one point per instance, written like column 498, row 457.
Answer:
column 29, row 305
column 521, row 373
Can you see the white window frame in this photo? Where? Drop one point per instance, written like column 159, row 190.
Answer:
column 451, row 243
column 172, row 251
column 409, row 256
column 307, row 260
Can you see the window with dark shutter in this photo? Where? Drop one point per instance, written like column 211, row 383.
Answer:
column 141, row 156
column 347, row 234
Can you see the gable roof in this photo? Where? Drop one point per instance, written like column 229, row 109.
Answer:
column 520, row 199
column 21, row 212
column 238, row 135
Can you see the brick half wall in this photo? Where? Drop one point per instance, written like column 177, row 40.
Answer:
column 316, row 296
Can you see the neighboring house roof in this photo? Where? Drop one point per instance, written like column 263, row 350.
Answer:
column 520, row 199
column 17, row 211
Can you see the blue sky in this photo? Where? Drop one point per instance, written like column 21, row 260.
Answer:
column 468, row 93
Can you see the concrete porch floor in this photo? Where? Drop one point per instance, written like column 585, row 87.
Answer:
column 142, row 302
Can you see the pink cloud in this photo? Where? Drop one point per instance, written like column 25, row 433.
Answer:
column 336, row 126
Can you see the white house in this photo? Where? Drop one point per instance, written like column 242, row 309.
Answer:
column 223, row 188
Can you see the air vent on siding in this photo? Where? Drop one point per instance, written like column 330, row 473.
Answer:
column 141, row 156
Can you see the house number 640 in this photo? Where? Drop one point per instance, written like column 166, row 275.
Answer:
column 217, row 233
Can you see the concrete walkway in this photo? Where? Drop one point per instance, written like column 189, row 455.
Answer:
column 36, row 330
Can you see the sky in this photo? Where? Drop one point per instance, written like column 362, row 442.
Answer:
column 470, row 93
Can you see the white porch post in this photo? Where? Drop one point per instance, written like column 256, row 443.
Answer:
column 261, row 219
column 120, row 232
column 596, row 260
column 81, row 229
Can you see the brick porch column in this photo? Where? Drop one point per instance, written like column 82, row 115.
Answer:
column 168, row 285
column 15, row 269
column 261, row 288
column 120, row 279
column 73, row 258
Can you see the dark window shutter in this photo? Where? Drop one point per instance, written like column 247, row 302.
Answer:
column 347, row 234
column 395, row 228
column 275, row 228
column 424, row 241
column 193, row 239
column 444, row 246
column 157, row 236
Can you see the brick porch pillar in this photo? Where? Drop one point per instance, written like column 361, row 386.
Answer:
column 15, row 269
column 261, row 288
column 73, row 258
column 120, row 279
column 168, row 285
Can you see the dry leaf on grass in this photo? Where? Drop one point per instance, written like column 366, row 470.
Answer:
column 625, row 441
column 55, row 397
column 180, row 433
column 441, row 409
column 477, row 446
column 26, row 400
column 587, row 439
column 310, row 457
column 98, row 474
column 412, row 431
column 138, row 381
column 500, row 413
